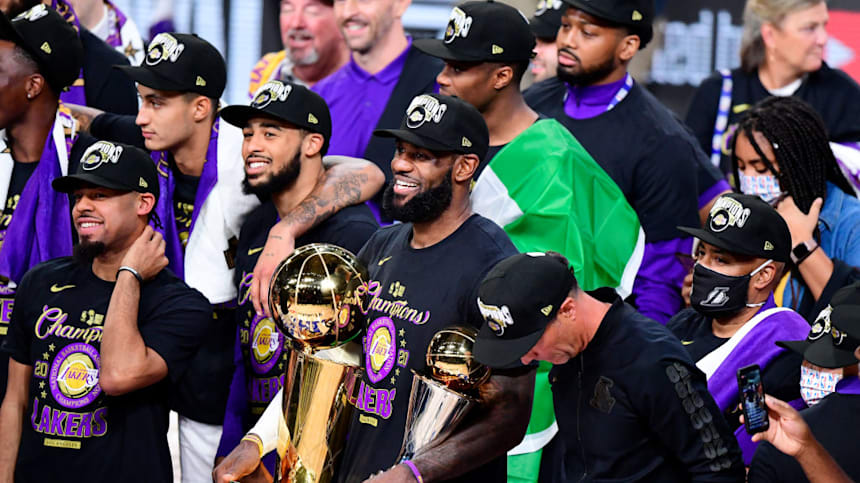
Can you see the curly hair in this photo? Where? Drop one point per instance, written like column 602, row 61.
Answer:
column 800, row 145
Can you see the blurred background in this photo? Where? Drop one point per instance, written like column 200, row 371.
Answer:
column 693, row 38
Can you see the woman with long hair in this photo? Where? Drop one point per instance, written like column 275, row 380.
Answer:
column 780, row 152
column 782, row 52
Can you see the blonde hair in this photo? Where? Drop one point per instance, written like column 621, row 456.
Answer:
column 758, row 13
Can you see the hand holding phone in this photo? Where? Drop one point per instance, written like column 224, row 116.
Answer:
column 751, row 394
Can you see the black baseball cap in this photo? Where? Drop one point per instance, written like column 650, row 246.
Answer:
column 50, row 40
column 288, row 102
column 637, row 14
column 835, row 335
column 112, row 165
column 441, row 123
column 183, row 63
column 547, row 19
column 517, row 299
column 746, row 225
column 483, row 32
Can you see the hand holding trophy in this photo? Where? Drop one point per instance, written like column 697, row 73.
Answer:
column 440, row 399
column 316, row 306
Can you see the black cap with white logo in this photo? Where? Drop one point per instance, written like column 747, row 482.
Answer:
column 115, row 166
column 547, row 19
column 517, row 299
column 442, row 124
column 483, row 32
column 288, row 102
column 638, row 14
column 835, row 335
column 50, row 40
column 182, row 63
column 746, row 225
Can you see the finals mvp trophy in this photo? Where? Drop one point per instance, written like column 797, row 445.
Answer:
column 440, row 400
column 314, row 303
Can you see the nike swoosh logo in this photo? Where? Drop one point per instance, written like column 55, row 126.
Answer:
column 255, row 250
column 384, row 260
column 56, row 288
column 687, row 342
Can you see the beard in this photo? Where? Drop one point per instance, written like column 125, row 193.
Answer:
column 585, row 76
column 279, row 181
column 423, row 207
column 86, row 251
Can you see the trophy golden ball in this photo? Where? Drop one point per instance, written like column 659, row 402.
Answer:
column 450, row 359
column 313, row 296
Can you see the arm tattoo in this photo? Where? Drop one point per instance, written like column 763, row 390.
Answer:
column 336, row 193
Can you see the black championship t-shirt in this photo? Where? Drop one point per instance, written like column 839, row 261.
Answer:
column 648, row 152
column 780, row 378
column 21, row 173
column 412, row 294
column 72, row 430
column 260, row 343
column 834, row 95
column 183, row 203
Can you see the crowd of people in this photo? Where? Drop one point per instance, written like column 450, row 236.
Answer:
column 621, row 265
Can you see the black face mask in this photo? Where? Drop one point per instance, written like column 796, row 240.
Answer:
column 720, row 296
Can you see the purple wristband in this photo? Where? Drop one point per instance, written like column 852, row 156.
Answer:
column 415, row 471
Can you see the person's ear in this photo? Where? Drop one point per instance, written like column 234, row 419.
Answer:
column 464, row 168
column 766, row 276
column 202, row 108
column 628, row 47
column 145, row 203
column 34, row 85
column 312, row 144
column 567, row 309
column 502, row 77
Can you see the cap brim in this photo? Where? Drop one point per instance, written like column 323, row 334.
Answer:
column 150, row 79
column 438, row 48
column 712, row 239
column 240, row 115
column 821, row 352
column 499, row 353
column 413, row 138
column 68, row 184
column 542, row 29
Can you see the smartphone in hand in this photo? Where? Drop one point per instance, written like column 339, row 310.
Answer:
column 751, row 394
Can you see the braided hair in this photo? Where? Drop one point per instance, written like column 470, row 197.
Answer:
column 800, row 146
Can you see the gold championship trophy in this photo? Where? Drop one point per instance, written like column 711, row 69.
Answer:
column 440, row 400
column 314, row 303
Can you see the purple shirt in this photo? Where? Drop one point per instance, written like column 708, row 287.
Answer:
column 356, row 100
column 584, row 102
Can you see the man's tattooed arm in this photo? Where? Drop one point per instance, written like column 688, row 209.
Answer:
column 348, row 181
column 84, row 115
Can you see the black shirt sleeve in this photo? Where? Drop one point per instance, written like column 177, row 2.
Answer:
column 174, row 324
column 702, row 113
column 117, row 127
column 681, row 413
column 105, row 87
column 665, row 194
column 17, row 340
column 770, row 465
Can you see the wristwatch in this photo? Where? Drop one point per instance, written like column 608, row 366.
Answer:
column 802, row 250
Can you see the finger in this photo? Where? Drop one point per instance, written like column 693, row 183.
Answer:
column 264, row 296
column 156, row 236
column 255, row 293
column 815, row 209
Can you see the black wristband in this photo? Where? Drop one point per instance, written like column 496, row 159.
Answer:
column 131, row 271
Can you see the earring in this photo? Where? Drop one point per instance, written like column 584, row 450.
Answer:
column 29, row 96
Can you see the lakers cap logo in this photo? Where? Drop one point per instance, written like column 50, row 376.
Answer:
column 458, row 25
column 100, row 153
column 498, row 318
column 164, row 47
column 34, row 13
column 272, row 91
column 424, row 109
column 728, row 212
column 544, row 5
